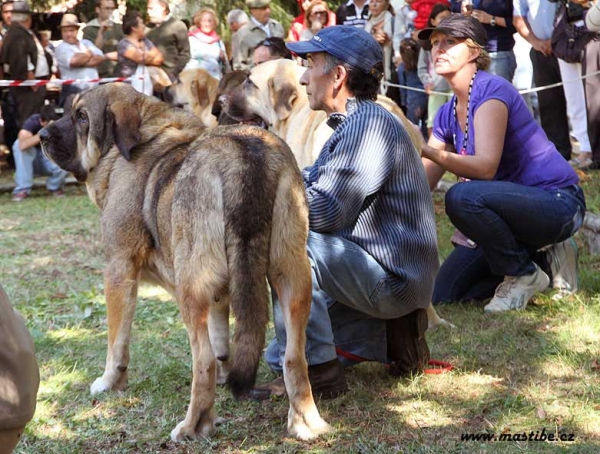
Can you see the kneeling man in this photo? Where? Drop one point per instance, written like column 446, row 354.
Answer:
column 372, row 241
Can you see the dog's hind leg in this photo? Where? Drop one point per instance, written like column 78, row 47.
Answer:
column 304, row 421
column 290, row 276
column 434, row 320
column 120, row 291
column 194, row 301
column 218, row 330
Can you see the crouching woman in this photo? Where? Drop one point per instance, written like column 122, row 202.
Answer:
column 517, row 194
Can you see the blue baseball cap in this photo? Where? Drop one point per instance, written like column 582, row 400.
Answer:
column 350, row 44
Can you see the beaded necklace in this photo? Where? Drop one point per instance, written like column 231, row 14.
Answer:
column 463, row 150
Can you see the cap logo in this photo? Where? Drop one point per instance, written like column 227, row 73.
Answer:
column 317, row 38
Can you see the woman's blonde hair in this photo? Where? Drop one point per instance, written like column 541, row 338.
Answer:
column 205, row 9
column 484, row 60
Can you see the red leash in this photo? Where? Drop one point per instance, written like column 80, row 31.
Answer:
column 438, row 367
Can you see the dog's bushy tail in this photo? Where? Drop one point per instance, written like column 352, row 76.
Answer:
column 249, row 298
column 247, row 241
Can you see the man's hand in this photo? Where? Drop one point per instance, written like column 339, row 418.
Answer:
column 107, row 24
column 31, row 76
column 543, row 46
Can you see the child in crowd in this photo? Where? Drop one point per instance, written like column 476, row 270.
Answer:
column 381, row 26
column 430, row 79
column 403, row 24
column 424, row 9
column 415, row 101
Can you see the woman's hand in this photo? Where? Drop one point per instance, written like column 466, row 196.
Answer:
column 482, row 16
column 381, row 37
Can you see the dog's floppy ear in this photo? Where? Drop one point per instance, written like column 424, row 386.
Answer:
column 125, row 120
column 205, row 92
column 283, row 96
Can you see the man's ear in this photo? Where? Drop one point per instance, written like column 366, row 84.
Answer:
column 341, row 73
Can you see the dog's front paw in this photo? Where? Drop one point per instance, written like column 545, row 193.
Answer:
column 185, row 431
column 307, row 426
column 108, row 382
column 100, row 385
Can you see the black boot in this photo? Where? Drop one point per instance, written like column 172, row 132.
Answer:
column 327, row 380
column 407, row 348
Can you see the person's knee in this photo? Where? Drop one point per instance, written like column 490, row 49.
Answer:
column 456, row 198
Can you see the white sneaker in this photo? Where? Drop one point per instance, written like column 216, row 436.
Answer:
column 563, row 260
column 515, row 291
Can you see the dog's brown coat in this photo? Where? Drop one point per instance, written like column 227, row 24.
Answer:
column 208, row 216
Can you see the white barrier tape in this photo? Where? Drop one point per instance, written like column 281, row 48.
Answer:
column 530, row 90
column 39, row 83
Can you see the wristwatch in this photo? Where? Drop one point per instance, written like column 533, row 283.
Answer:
column 493, row 21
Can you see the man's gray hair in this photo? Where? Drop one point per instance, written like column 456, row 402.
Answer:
column 20, row 17
column 237, row 16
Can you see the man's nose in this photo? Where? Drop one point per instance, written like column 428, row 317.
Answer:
column 304, row 78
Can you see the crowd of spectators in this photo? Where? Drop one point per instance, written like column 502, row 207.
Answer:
column 113, row 45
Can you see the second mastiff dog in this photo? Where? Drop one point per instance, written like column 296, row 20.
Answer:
column 208, row 215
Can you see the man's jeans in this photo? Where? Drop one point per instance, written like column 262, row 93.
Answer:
column 32, row 162
column 349, row 290
column 503, row 64
column 509, row 223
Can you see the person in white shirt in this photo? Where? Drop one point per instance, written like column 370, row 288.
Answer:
column 76, row 59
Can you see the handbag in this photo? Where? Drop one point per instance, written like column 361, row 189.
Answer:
column 569, row 40
column 141, row 80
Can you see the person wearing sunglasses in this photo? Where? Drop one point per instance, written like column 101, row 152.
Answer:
column 317, row 17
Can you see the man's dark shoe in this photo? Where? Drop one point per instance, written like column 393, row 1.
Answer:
column 327, row 381
column 407, row 348
column 266, row 390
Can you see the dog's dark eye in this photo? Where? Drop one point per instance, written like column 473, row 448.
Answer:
column 249, row 84
column 82, row 117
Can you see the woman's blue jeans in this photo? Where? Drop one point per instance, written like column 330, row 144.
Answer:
column 509, row 223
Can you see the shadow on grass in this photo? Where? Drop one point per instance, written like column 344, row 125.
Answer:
column 487, row 394
column 515, row 372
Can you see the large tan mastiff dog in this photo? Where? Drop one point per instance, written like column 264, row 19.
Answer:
column 272, row 97
column 195, row 91
column 208, row 216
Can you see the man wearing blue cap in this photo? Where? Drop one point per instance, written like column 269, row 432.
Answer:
column 372, row 241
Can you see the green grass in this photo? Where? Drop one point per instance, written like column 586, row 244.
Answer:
column 515, row 372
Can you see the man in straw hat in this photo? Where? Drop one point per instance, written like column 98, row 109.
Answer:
column 76, row 59
column 259, row 27
column 372, row 241
column 20, row 60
